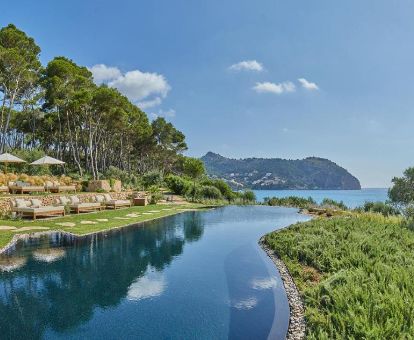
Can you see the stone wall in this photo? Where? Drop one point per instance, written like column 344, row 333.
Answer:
column 50, row 199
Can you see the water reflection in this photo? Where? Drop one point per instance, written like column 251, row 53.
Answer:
column 56, row 281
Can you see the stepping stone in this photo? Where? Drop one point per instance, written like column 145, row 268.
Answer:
column 102, row 219
column 30, row 228
column 167, row 209
column 154, row 211
column 122, row 218
column 88, row 222
column 6, row 227
column 147, row 213
column 66, row 224
column 132, row 215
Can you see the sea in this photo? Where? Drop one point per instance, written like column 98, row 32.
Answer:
column 351, row 198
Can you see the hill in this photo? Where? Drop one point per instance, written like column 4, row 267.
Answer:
column 277, row 173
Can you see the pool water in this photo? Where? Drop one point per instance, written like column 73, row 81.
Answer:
column 197, row 275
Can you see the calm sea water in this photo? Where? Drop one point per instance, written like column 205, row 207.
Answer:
column 198, row 275
column 352, row 198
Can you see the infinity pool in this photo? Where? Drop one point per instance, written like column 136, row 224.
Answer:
column 197, row 275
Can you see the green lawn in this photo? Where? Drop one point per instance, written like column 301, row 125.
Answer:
column 355, row 274
column 82, row 229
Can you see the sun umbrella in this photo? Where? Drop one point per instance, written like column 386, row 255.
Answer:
column 9, row 158
column 46, row 160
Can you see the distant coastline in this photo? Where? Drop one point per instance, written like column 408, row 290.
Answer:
column 311, row 173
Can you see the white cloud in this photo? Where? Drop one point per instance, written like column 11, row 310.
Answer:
column 247, row 65
column 268, row 87
column 246, row 304
column 137, row 85
column 151, row 285
column 266, row 283
column 308, row 85
column 144, row 88
column 161, row 113
column 102, row 73
column 149, row 103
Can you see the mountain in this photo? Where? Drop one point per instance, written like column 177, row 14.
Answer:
column 277, row 173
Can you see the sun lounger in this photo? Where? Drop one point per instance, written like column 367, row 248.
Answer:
column 76, row 206
column 57, row 187
column 22, row 187
column 111, row 203
column 34, row 208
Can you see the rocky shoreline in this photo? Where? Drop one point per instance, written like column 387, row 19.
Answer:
column 297, row 324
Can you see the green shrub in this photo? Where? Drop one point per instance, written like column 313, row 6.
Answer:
column 152, row 178
column 178, row 185
column 155, row 194
column 363, row 265
column 128, row 180
column 209, row 192
column 330, row 203
column 380, row 207
column 248, row 196
column 291, row 201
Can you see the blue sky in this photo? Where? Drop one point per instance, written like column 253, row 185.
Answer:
column 178, row 55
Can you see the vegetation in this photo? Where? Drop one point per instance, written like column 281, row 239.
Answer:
column 402, row 193
column 275, row 173
column 355, row 274
column 330, row 203
column 58, row 109
column 383, row 208
column 291, row 201
column 355, row 271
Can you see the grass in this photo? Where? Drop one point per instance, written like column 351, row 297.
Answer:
column 82, row 229
column 355, row 274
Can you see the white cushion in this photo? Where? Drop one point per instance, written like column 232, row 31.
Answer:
column 64, row 200
column 74, row 199
column 21, row 203
column 99, row 198
column 108, row 197
column 36, row 203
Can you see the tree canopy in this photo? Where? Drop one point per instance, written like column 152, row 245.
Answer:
column 60, row 110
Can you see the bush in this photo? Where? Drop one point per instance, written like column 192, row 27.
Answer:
column 248, row 196
column 155, row 194
column 209, row 192
column 152, row 178
column 221, row 185
column 330, row 203
column 178, row 185
column 291, row 201
column 380, row 207
column 128, row 180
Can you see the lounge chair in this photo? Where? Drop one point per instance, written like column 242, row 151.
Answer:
column 4, row 188
column 34, row 208
column 57, row 187
column 23, row 187
column 77, row 206
column 111, row 203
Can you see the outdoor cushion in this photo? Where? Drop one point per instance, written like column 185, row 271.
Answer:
column 119, row 202
column 85, row 205
column 64, row 200
column 75, row 199
column 21, row 203
column 36, row 203
column 49, row 184
column 108, row 197
column 42, row 209
column 99, row 198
